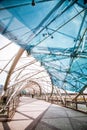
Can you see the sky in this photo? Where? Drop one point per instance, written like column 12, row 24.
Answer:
column 5, row 55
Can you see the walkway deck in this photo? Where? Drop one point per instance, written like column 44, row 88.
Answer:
column 35, row 114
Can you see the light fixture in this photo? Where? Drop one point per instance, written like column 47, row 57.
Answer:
column 33, row 2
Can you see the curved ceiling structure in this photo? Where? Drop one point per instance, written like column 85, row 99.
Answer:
column 19, row 70
column 54, row 33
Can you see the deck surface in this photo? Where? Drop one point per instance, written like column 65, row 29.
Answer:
column 33, row 114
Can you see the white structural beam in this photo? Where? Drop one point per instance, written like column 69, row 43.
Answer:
column 19, row 54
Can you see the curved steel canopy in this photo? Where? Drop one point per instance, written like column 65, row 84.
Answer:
column 54, row 32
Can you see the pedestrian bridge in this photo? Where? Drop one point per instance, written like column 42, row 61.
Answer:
column 33, row 114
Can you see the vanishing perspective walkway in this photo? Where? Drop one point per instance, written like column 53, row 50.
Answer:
column 33, row 114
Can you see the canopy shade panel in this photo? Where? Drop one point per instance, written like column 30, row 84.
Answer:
column 52, row 31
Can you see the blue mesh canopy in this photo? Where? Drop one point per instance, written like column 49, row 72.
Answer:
column 54, row 32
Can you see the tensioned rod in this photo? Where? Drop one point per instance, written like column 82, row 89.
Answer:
column 22, row 4
column 20, row 52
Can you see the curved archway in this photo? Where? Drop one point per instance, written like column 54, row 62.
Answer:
column 15, row 61
column 31, row 82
